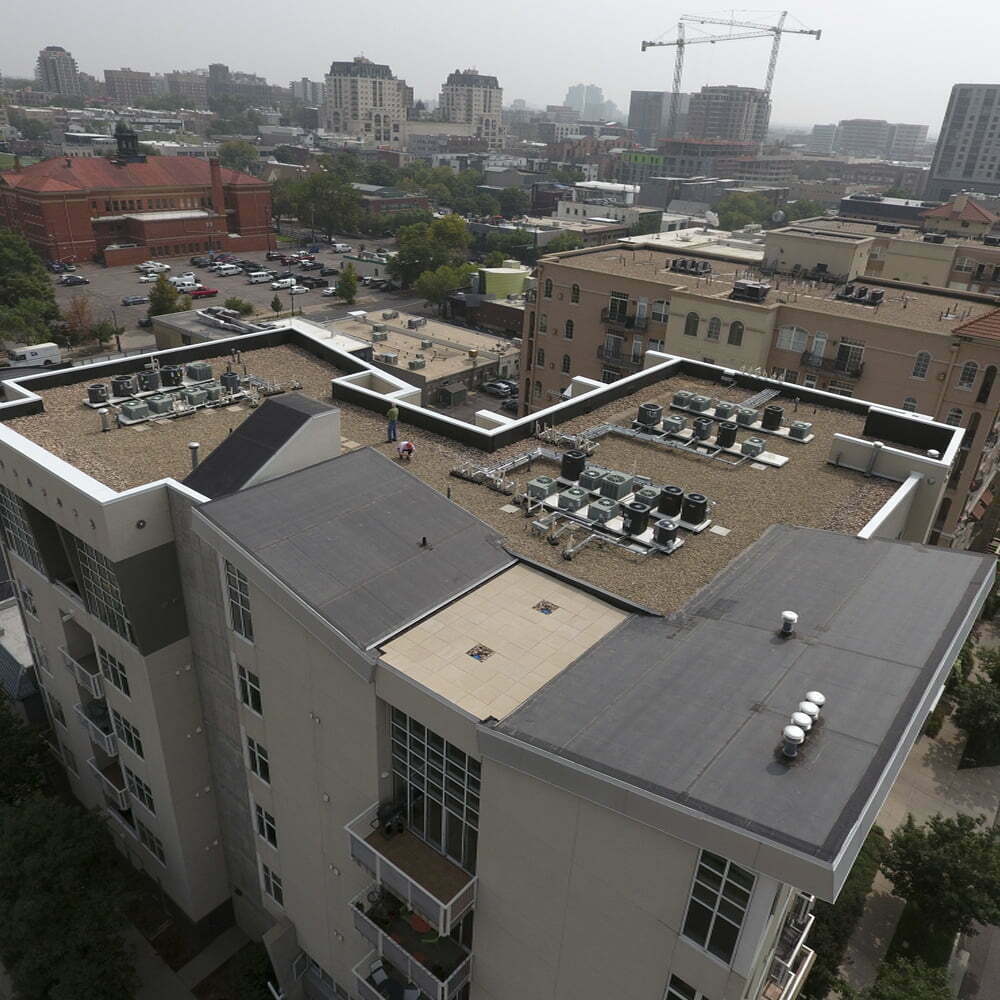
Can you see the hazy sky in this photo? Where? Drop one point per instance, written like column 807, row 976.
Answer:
column 877, row 58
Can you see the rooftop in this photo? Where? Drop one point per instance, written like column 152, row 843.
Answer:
column 860, row 227
column 930, row 311
column 691, row 707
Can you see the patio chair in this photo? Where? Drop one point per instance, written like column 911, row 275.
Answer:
column 378, row 974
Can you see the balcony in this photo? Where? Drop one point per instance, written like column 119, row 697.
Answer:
column 95, row 717
column 792, row 959
column 378, row 980
column 425, row 880
column 436, row 965
column 622, row 322
column 835, row 366
column 623, row 359
column 86, row 671
column 112, row 782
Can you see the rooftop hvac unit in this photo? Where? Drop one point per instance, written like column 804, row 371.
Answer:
column 159, row 403
column 699, row 403
column 991, row 241
column 800, row 430
column 97, row 393
column 195, row 397
column 542, row 487
column 214, row 392
column 416, row 322
column 648, row 495
column 426, row 344
column 417, row 363
column 199, row 371
column 616, row 485
column 682, row 398
column 573, row 498
column 933, row 238
column 380, row 327
column 603, row 510
column 750, row 291
column 752, row 447
column 674, row 424
column 134, row 409
column 390, row 314
column 590, row 478
column 388, row 357
column 884, row 227
column 378, row 335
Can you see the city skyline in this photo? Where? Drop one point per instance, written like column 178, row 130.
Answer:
column 804, row 90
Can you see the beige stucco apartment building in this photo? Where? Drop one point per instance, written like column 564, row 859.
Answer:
column 427, row 747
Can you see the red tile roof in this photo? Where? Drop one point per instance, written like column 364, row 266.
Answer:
column 970, row 212
column 986, row 326
column 98, row 173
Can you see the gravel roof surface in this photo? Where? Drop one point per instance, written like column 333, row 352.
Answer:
column 807, row 491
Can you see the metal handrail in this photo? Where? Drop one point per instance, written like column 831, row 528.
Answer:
column 632, row 322
column 833, row 365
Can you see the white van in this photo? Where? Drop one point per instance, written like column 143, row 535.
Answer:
column 37, row 355
column 258, row 277
column 283, row 283
column 342, row 248
column 229, row 269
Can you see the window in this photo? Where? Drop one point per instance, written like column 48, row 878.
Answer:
column 537, row 392
column 17, row 533
column 540, row 357
column 265, row 825
column 719, row 900
column 691, row 325
column 113, row 670
column 543, row 323
column 27, row 598
column 792, row 338
column 964, row 264
column 239, row 602
column 139, row 789
column 101, row 592
column 986, row 386
column 566, row 364
column 840, row 387
column 921, row 364
column 38, row 653
column 249, row 689
column 151, row 842
column 260, row 763
column 440, row 785
column 967, row 376
column 954, row 417
column 569, row 329
column 127, row 733
column 272, row 885
column 714, row 328
column 735, row 338
column 56, row 709
column 677, row 989
column 548, row 288
column 574, row 293
column 910, row 404
column 660, row 311
column 618, row 306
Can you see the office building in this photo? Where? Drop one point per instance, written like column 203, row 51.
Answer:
column 470, row 98
column 906, row 142
column 931, row 351
column 364, row 99
column 191, row 88
column 822, row 139
column 309, row 92
column 587, row 100
column 731, row 114
column 863, row 137
column 649, row 115
column 56, row 72
column 127, row 86
column 968, row 146
column 412, row 747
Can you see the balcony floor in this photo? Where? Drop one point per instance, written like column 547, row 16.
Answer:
column 422, row 863
column 113, row 773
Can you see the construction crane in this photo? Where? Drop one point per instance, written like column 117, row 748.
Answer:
column 753, row 30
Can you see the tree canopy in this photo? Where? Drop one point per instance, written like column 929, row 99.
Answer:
column 27, row 302
column 20, row 758
column 514, row 202
column 164, row 298
column 427, row 246
column 904, row 980
column 238, row 154
column 347, row 284
column 563, row 242
column 435, row 286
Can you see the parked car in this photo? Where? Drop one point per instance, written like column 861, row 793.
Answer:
column 329, row 292
column 341, row 248
column 283, row 283
column 203, row 293
column 150, row 276
column 311, row 282
column 152, row 265
column 182, row 279
column 60, row 266
column 275, row 255
column 377, row 283
column 74, row 279
column 145, row 323
column 135, row 300
column 510, row 404
column 509, row 382
column 281, row 275
column 325, row 272
column 315, row 248
column 495, row 388
column 200, row 261
column 310, row 265
column 297, row 290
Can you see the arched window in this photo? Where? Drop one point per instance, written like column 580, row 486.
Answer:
column 986, row 386
column 691, row 325
column 548, row 288
column 566, row 363
column 574, row 293
column 970, row 429
column 543, row 322
column 527, row 388
column 538, row 390
column 954, row 417
column 735, row 333
column 540, row 357
column 714, row 328
column 792, row 338
column 921, row 363
column 968, row 374
column 910, row 404
column 569, row 329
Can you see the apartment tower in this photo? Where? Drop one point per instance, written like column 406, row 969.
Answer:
column 968, row 147
column 735, row 114
column 365, row 100
column 56, row 71
column 468, row 97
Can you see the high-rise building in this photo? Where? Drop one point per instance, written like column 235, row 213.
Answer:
column 309, row 92
column 470, row 98
column 905, row 141
column 126, row 86
column 649, row 115
column 735, row 114
column 364, row 99
column 191, row 88
column 56, row 71
column 390, row 734
column 822, row 139
column 864, row 137
column 587, row 99
column 968, row 147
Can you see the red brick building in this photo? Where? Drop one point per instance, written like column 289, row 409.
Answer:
column 126, row 210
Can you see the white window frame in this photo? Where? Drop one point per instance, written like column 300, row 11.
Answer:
column 139, row 790
column 151, row 842
column 707, row 858
column 265, row 825
column 126, row 733
column 921, row 365
column 247, row 688
column 272, row 885
column 113, row 671
column 257, row 752
column 232, row 580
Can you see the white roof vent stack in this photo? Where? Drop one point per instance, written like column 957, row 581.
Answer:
column 809, row 708
column 793, row 738
column 789, row 619
column 803, row 721
column 817, row 698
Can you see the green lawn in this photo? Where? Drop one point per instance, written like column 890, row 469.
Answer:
column 917, row 937
column 7, row 160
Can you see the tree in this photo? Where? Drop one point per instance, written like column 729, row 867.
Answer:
column 949, row 868
column 435, row 286
column 494, row 258
column 27, row 303
column 801, row 209
column 563, row 242
column 21, row 758
column 239, row 305
column 514, row 243
column 978, row 708
column 565, row 175
column 105, row 331
column 904, row 980
column 78, row 318
column 276, row 303
column 426, row 247
column 328, row 201
column 238, row 154
column 513, row 202
column 163, row 298
column 62, row 899
column 347, row 284
column 743, row 208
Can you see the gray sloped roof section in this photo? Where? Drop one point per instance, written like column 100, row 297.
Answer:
column 16, row 681
column 345, row 536
column 691, row 708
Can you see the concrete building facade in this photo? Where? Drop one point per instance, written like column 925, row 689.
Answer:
column 364, row 99
column 733, row 114
column 468, row 97
column 56, row 72
column 965, row 158
column 127, row 86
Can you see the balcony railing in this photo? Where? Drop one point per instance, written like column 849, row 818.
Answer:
column 113, row 782
column 616, row 319
column 792, row 959
column 86, row 671
column 615, row 357
column 835, row 366
column 436, row 964
column 785, row 980
column 101, row 733
column 364, row 980
column 121, row 821
column 425, row 880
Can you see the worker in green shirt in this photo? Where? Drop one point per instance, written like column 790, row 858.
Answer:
column 393, row 417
